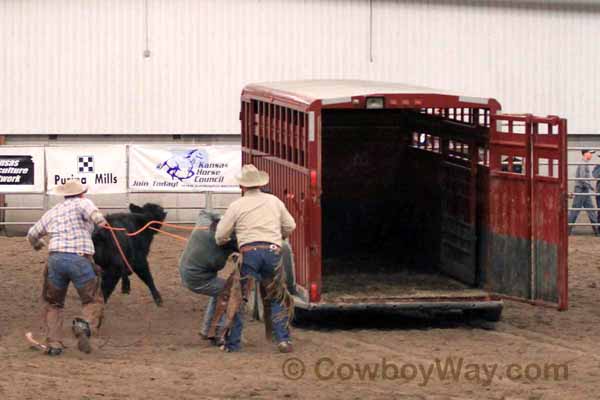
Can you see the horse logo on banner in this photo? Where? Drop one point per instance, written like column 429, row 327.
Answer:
column 183, row 166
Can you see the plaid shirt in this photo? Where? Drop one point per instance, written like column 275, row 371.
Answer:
column 70, row 225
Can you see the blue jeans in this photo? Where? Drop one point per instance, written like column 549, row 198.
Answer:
column 69, row 267
column 583, row 202
column 261, row 264
column 212, row 288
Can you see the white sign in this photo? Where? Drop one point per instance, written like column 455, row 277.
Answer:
column 191, row 168
column 102, row 168
column 21, row 169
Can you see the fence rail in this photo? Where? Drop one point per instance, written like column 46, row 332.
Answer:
column 208, row 204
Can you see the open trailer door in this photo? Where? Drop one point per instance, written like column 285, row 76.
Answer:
column 459, row 202
column 549, row 210
column 527, row 235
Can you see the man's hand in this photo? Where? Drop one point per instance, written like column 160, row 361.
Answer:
column 224, row 242
column 39, row 245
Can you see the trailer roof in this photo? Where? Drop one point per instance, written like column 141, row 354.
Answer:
column 333, row 91
column 330, row 89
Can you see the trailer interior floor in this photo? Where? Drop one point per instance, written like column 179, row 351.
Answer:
column 372, row 277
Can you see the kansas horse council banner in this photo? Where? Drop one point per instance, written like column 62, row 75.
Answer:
column 191, row 168
column 21, row 169
column 102, row 167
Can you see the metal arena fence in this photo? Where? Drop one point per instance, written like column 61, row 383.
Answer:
column 208, row 203
column 572, row 193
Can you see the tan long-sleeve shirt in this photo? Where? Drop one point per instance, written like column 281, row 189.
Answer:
column 256, row 217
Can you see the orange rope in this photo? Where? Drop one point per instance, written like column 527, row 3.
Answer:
column 169, row 234
column 143, row 228
column 114, row 235
column 187, row 228
column 130, row 234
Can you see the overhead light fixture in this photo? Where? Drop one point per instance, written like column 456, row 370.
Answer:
column 374, row 102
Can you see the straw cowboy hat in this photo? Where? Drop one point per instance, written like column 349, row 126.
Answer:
column 252, row 177
column 71, row 188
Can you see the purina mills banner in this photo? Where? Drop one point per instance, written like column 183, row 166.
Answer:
column 190, row 168
column 21, row 169
column 102, row 167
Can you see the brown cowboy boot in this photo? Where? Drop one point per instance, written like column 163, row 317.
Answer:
column 82, row 332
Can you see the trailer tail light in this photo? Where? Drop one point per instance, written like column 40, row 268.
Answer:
column 314, row 292
column 374, row 102
column 313, row 178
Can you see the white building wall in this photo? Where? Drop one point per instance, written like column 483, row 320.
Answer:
column 76, row 66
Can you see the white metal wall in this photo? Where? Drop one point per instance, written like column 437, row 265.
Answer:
column 76, row 66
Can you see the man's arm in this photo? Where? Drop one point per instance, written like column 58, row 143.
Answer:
column 287, row 222
column 35, row 234
column 91, row 212
column 225, row 226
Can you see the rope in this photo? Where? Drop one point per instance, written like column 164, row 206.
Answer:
column 169, row 234
column 114, row 235
column 112, row 231
column 143, row 228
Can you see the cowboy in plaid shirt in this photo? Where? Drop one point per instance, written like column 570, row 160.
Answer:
column 69, row 226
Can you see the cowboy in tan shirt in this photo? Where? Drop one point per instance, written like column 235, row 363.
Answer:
column 260, row 221
column 256, row 217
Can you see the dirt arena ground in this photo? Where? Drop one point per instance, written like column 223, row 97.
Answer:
column 145, row 352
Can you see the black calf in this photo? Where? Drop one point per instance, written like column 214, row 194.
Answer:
column 136, row 249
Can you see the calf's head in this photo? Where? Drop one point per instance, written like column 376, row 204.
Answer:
column 153, row 211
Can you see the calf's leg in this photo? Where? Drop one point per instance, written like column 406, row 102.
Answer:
column 125, row 284
column 109, row 282
column 143, row 271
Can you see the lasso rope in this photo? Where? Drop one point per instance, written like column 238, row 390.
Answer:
column 120, row 249
column 147, row 226
column 143, row 228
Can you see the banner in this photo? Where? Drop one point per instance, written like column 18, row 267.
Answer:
column 21, row 169
column 102, row 168
column 191, row 168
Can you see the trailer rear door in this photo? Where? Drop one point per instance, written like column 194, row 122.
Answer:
column 459, row 202
column 527, row 236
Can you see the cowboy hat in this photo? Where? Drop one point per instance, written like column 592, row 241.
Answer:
column 70, row 188
column 250, row 176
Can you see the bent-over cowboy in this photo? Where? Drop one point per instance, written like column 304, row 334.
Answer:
column 200, row 263
column 69, row 226
column 260, row 222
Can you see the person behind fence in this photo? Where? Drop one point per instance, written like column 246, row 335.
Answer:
column 583, row 185
column 260, row 222
column 596, row 175
column 69, row 226
column 200, row 263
